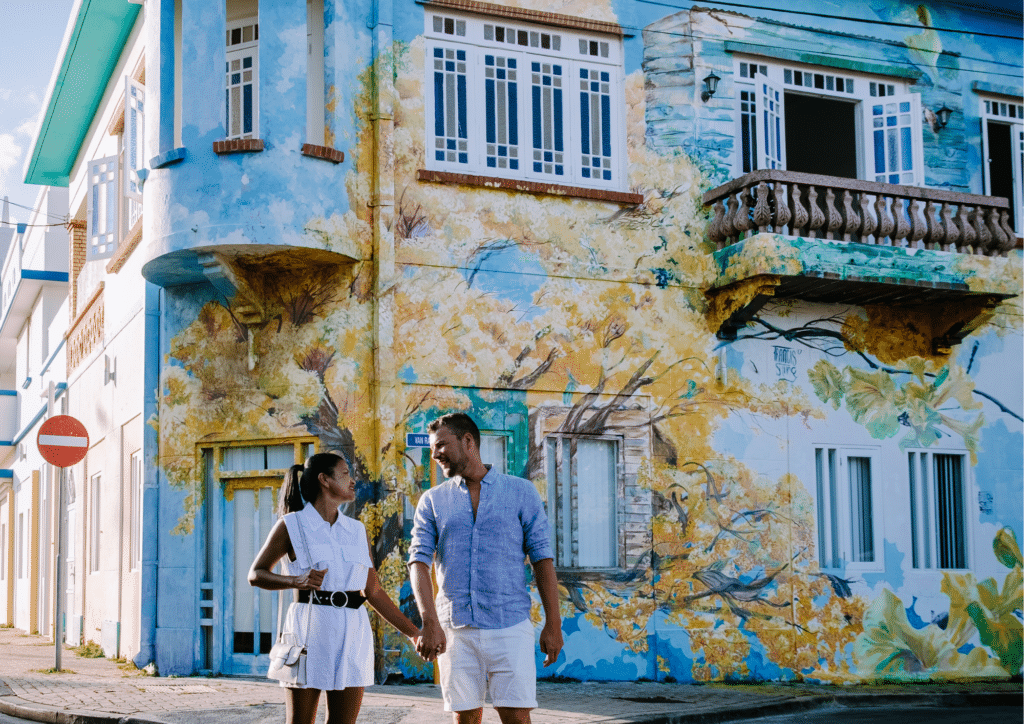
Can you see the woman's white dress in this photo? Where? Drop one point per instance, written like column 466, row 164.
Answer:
column 340, row 642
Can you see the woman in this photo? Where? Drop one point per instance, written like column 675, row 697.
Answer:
column 328, row 560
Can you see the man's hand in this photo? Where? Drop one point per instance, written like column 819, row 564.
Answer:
column 551, row 643
column 432, row 642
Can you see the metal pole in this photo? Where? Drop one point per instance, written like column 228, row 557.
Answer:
column 58, row 573
column 58, row 584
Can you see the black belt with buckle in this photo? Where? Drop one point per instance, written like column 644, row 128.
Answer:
column 338, row 599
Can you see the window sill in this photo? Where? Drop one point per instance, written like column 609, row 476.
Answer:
column 130, row 243
column 324, row 153
column 531, row 187
column 238, row 145
column 588, row 574
column 167, row 158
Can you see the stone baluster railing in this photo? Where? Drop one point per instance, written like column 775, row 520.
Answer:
column 850, row 210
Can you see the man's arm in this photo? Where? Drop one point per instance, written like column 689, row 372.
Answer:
column 547, row 586
column 432, row 641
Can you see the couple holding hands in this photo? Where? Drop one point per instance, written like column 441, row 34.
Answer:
column 475, row 528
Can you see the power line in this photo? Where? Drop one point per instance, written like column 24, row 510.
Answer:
column 29, row 208
column 34, row 226
column 867, row 21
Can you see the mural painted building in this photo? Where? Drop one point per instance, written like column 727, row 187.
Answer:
column 738, row 289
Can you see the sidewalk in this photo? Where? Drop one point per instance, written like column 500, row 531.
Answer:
column 98, row 691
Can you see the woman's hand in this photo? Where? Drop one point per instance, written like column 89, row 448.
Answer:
column 310, row 581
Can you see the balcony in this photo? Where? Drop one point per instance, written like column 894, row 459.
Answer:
column 19, row 285
column 788, row 235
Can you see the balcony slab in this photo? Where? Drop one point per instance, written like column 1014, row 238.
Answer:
column 957, row 289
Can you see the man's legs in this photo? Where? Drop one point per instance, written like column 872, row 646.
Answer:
column 469, row 716
column 513, row 715
column 507, row 714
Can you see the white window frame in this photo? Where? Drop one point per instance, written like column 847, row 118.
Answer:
column 134, row 138
column 315, row 88
column 564, row 514
column 925, row 510
column 1009, row 113
column 835, row 506
column 477, row 40
column 103, row 208
column 236, row 54
column 759, row 76
column 135, row 483
column 20, row 552
column 501, row 443
column 114, row 196
column 95, row 521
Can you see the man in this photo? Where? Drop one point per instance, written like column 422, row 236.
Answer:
column 477, row 527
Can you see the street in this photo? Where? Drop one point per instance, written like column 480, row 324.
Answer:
column 267, row 714
column 902, row 715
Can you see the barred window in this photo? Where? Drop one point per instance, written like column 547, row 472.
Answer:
column 512, row 100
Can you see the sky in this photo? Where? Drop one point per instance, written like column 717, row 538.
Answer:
column 30, row 38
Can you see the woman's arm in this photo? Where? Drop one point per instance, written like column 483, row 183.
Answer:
column 382, row 603
column 276, row 547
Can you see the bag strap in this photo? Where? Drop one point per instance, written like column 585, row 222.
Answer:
column 280, row 596
column 309, row 606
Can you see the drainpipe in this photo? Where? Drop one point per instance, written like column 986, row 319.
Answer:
column 151, row 486
column 382, row 203
column 382, row 206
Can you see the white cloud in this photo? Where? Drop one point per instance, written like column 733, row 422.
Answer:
column 28, row 126
column 5, row 94
column 10, row 153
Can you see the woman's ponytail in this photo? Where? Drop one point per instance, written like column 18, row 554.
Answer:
column 291, row 492
column 302, row 482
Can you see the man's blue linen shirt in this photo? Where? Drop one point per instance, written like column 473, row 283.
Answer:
column 480, row 573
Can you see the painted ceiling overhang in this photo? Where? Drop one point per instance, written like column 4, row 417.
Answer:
column 93, row 42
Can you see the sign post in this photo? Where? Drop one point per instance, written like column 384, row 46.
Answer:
column 63, row 441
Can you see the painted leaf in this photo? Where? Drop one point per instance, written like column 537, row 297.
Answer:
column 957, row 385
column 872, row 400
column 1006, row 548
column 1004, row 635
column 828, row 382
column 891, row 648
column 924, row 421
column 918, row 366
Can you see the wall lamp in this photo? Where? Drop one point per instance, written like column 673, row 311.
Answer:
column 710, row 86
column 942, row 116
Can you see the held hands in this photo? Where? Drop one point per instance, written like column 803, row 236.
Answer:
column 431, row 642
column 311, row 580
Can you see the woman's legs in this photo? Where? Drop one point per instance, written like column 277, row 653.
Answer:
column 343, row 705
column 300, row 705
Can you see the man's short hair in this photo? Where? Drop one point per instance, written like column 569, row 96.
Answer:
column 459, row 423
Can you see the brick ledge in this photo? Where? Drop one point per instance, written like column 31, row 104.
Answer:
column 238, row 145
column 531, row 187
column 323, row 152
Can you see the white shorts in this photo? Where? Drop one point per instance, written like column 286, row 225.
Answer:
column 500, row 662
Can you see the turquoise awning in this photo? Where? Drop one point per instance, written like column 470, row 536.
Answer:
column 96, row 36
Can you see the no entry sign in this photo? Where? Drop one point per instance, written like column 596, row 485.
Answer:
column 63, row 441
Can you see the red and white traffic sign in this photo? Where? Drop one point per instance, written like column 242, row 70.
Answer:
column 63, row 441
